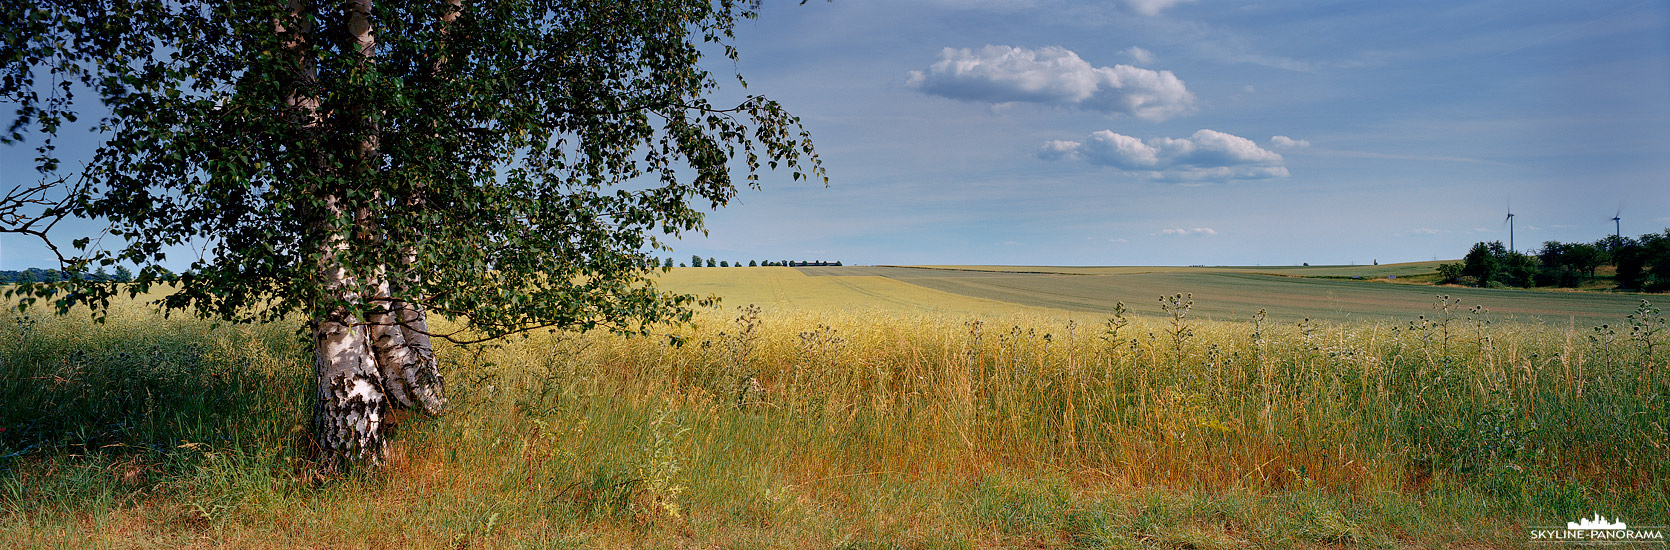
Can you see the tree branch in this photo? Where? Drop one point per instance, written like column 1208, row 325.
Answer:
column 17, row 213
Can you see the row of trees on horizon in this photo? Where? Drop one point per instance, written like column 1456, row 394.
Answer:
column 38, row 275
column 1641, row 263
column 697, row 261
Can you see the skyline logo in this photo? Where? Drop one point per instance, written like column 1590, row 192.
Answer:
column 1597, row 530
column 1598, row 522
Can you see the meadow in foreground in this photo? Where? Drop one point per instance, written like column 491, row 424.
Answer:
column 855, row 429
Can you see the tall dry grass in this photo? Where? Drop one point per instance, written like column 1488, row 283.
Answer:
column 1521, row 409
column 852, row 428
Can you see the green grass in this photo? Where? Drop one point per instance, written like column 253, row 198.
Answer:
column 875, row 424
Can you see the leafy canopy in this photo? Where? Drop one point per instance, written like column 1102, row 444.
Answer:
column 511, row 167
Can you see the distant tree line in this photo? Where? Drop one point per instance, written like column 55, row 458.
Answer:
column 38, row 275
column 1641, row 263
column 697, row 261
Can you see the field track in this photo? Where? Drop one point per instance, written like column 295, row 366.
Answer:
column 1227, row 294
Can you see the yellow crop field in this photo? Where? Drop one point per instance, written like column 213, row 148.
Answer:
column 791, row 289
column 1090, row 294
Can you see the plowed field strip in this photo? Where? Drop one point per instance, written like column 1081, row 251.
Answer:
column 1224, row 295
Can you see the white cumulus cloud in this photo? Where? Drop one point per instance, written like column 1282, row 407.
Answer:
column 1058, row 149
column 1053, row 75
column 1206, row 155
column 1151, row 7
column 1181, row 232
column 1284, row 142
column 1139, row 55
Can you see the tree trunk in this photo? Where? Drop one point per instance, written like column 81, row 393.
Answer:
column 350, row 405
column 364, row 368
column 400, row 333
column 401, row 346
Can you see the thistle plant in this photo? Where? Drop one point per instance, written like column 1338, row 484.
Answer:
column 1115, row 323
column 976, row 333
column 1177, row 306
column 817, row 349
column 1307, row 332
column 742, row 343
column 820, row 345
column 1480, row 317
column 1646, row 327
column 740, row 346
column 660, row 472
column 1604, row 341
column 1446, row 308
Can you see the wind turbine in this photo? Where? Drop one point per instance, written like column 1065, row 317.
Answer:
column 1618, row 226
column 1509, row 221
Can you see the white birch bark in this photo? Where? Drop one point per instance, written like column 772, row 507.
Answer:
column 350, row 403
column 365, row 367
column 405, row 356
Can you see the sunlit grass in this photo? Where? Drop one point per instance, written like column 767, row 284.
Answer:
column 790, row 428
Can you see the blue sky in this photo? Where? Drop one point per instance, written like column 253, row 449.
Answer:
column 1165, row 132
column 1059, row 132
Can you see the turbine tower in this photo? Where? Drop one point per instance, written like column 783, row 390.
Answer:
column 1618, row 226
column 1509, row 221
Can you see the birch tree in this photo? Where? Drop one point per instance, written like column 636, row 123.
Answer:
column 363, row 165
